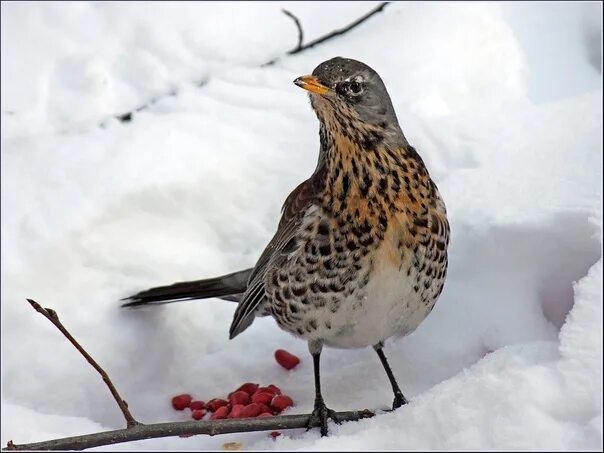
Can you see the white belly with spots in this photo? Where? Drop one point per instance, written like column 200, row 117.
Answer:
column 387, row 306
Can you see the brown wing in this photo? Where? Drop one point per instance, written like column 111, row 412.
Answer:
column 277, row 250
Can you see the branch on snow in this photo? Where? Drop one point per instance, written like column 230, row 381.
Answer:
column 209, row 427
column 137, row 431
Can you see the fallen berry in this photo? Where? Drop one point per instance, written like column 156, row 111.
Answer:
column 286, row 359
column 216, row 403
column 249, row 388
column 198, row 414
column 252, row 410
column 239, row 397
column 196, row 405
column 264, row 408
column 180, row 402
column 275, row 434
column 281, row 402
column 270, row 389
column 221, row 412
column 274, row 389
column 237, row 411
column 264, row 398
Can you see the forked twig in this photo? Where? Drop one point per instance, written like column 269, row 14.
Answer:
column 298, row 26
column 52, row 316
column 334, row 33
column 138, row 431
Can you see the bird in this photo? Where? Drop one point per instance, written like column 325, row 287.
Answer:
column 360, row 251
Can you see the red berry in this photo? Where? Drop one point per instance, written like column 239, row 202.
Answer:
column 265, row 414
column 198, row 414
column 239, row 397
column 215, row 403
column 179, row 402
column 286, row 359
column 221, row 412
column 264, row 408
column 264, row 398
column 196, row 405
column 282, row 402
column 249, row 388
column 274, row 389
column 270, row 389
column 275, row 434
column 237, row 411
column 252, row 410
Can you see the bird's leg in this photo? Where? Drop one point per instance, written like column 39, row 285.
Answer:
column 399, row 398
column 321, row 412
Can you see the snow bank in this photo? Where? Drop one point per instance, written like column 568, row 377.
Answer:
column 94, row 209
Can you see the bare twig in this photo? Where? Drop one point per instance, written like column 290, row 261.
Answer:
column 341, row 31
column 210, row 427
column 52, row 316
column 138, row 431
column 298, row 26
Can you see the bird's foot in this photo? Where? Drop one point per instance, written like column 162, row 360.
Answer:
column 399, row 400
column 319, row 417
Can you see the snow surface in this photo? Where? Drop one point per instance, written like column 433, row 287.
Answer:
column 503, row 101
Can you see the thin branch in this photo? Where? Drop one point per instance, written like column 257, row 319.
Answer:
column 298, row 26
column 138, row 431
column 341, row 31
column 209, row 427
column 52, row 316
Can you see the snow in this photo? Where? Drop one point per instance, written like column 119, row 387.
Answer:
column 502, row 100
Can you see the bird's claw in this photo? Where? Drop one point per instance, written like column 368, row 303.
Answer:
column 399, row 400
column 319, row 417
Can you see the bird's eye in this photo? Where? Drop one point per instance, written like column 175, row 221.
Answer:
column 350, row 88
column 355, row 87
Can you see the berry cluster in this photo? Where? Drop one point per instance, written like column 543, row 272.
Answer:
column 249, row 400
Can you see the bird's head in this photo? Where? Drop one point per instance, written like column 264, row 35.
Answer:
column 344, row 90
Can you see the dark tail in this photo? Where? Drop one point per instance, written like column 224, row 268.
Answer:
column 229, row 287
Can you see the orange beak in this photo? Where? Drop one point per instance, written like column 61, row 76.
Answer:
column 310, row 83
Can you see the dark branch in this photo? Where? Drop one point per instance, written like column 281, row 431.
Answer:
column 209, row 427
column 298, row 26
column 52, row 316
column 341, row 31
column 138, row 431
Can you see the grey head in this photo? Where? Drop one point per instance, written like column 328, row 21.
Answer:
column 342, row 84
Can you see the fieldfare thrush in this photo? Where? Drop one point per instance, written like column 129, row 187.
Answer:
column 360, row 253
